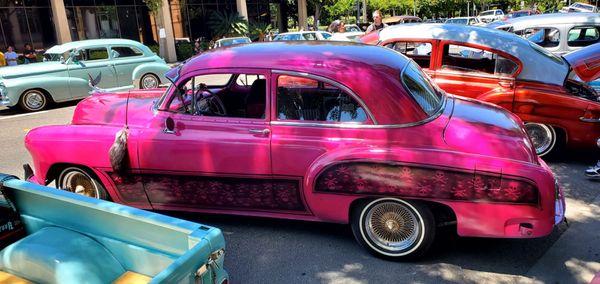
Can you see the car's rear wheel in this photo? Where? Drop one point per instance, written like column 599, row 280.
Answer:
column 149, row 81
column 542, row 136
column 394, row 228
column 81, row 181
column 33, row 100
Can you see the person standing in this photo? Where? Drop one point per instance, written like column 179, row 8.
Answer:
column 29, row 54
column 11, row 56
column 377, row 23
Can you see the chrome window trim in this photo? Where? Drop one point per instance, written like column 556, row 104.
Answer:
column 330, row 82
column 364, row 126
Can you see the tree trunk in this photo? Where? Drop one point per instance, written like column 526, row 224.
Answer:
column 317, row 15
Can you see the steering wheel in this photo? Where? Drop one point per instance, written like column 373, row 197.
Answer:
column 207, row 103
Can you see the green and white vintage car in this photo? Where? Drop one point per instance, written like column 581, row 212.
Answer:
column 64, row 75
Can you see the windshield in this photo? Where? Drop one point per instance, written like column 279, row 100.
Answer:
column 486, row 13
column 56, row 56
column 352, row 28
column 457, row 21
column 419, row 85
column 234, row 41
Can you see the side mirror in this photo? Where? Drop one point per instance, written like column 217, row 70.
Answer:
column 115, row 54
column 169, row 125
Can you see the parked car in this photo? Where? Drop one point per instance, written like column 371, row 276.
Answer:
column 231, row 41
column 331, row 134
column 53, row 236
column 401, row 20
column 471, row 21
column 558, row 33
column 521, row 13
column 491, row 16
column 579, row 7
column 489, row 65
column 65, row 72
column 305, row 35
column 347, row 36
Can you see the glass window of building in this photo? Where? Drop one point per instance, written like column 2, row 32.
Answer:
column 28, row 21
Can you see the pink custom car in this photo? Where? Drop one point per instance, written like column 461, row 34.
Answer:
column 330, row 132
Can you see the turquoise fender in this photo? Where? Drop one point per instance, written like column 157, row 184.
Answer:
column 157, row 68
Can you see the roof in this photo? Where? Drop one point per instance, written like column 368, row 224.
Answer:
column 538, row 64
column 362, row 68
column 553, row 19
column 92, row 42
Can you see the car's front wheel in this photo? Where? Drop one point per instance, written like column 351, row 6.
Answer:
column 542, row 136
column 81, row 181
column 33, row 100
column 149, row 81
column 394, row 228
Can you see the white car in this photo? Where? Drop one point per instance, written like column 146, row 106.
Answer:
column 347, row 36
column 579, row 7
column 305, row 35
column 491, row 16
column 231, row 41
column 469, row 21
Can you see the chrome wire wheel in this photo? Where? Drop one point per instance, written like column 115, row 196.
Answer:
column 78, row 181
column 392, row 226
column 542, row 136
column 149, row 81
column 33, row 100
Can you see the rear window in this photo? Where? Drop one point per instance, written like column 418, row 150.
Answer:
column 421, row 89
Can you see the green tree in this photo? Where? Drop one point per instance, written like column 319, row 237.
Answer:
column 226, row 24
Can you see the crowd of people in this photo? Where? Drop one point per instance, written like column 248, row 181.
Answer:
column 10, row 57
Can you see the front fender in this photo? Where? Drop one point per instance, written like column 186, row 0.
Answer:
column 56, row 87
column 157, row 68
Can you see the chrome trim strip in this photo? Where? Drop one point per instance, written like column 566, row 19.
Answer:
column 334, row 83
column 362, row 126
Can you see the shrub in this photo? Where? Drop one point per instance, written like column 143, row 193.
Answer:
column 184, row 50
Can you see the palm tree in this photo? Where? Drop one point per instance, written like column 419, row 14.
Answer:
column 258, row 31
column 226, row 24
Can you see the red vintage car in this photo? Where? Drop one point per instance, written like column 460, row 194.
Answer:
column 501, row 68
column 330, row 132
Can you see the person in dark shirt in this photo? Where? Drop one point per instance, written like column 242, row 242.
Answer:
column 29, row 54
column 377, row 23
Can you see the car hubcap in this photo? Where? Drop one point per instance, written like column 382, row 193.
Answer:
column 35, row 100
column 541, row 137
column 392, row 226
column 80, row 183
column 149, row 82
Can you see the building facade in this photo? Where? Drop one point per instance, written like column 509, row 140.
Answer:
column 44, row 23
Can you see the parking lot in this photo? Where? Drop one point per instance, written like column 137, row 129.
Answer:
column 280, row 251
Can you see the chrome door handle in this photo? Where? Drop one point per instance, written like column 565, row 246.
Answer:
column 263, row 132
column 594, row 120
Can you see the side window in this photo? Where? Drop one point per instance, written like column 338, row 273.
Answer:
column 470, row 59
column 326, row 35
column 124, row 51
column 305, row 99
column 309, row 36
column 89, row 54
column 498, row 12
column 544, row 37
column 420, row 52
column 221, row 95
column 583, row 36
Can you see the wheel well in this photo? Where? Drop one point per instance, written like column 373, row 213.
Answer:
column 55, row 170
column 561, row 135
column 443, row 214
column 45, row 92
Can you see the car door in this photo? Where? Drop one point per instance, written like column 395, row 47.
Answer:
column 90, row 61
column 308, row 118
column 210, row 160
column 125, row 59
column 474, row 72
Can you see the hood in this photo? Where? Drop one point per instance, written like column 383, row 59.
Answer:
column 103, row 108
column 33, row 69
column 585, row 62
column 482, row 128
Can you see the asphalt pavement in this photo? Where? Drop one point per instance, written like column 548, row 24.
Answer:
column 282, row 251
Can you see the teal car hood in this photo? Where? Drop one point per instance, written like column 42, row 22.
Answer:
column 41, row 68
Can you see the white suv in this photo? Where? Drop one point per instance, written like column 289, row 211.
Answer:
column 491, row 15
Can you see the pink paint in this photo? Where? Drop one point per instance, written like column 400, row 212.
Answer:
column 276, row 175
